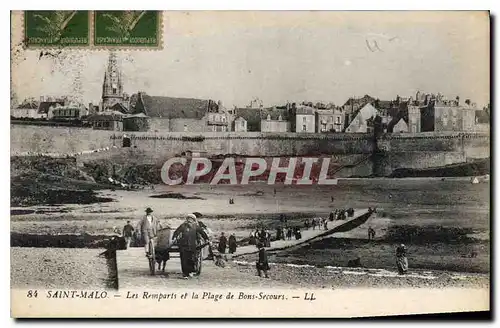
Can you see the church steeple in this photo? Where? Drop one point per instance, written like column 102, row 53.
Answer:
column 112, row 88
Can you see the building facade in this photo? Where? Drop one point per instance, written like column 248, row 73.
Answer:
column 359, row 123
column 274, row 120
column 169, row 114
column 217, row 119
column 400, row 127
column 305, row 119
column 111, row 121
column 240, row 124
column 431, row 112
column 329, row 120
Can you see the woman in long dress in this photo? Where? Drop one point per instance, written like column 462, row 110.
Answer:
column 401, row 260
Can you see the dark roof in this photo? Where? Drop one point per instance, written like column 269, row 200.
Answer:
column 364, row 100
column 45, row 105
column 119, row 107
column 169, row 107
column 274, row 113
column 304, row 110
column 251, row 115
column 384, row 104
column 29, row 105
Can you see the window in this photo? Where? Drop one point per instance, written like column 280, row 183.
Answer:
column 242, row 124
column 331, row 118
column 304, row 127
column 185, row 127
column 114, row 91
column 268, row 117
column 323, row 127
column 338, row 119
column 304, row 119
column 223, row 119
column 280, row 118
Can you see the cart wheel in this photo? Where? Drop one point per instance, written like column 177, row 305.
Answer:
column 199, row 261
column 152, row 257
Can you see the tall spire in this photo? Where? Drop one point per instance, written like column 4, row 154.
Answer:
column 112, row 87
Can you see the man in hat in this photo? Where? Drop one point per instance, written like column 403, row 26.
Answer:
column 187, row 236
column 148, row 227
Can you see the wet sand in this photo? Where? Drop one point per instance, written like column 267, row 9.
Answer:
column 445, row 224
column 60, row 268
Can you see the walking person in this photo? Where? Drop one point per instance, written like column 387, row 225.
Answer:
column 187, row 236
column 401, row 259
column 289, row 233
column 306, row 224
column 262, row 264
column 149, row 227
column 267, row 239
column 128, row 232
column 325, row 224
column 278, row 233
column 262, row 236
column 222, row 243
column 232, row 244
column 371, row 233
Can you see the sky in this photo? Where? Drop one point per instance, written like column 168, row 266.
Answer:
column 280, row 56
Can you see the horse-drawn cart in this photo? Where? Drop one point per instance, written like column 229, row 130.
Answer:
column 163, row 246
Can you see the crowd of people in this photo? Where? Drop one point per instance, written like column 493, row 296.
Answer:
column 188, row 234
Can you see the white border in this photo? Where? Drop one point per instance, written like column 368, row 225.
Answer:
column 190, row 5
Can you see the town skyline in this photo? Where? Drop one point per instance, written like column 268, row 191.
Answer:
column 322, row 62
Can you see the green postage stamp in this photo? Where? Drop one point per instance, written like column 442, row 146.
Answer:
column 98, row 29
column 139, row 28
column 57, row 28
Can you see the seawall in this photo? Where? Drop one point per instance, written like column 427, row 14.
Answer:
column 397, row 150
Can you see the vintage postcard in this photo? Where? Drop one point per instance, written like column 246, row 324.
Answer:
column 249, row 163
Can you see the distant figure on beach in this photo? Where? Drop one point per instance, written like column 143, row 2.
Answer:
column 325, row 224
column 278, row 233
column 314, row 223
column 267, row 240
column 331, row 217
column 262, row 237
column 401, row 259
column 274, row 191
column 289, row 233
column 371, row 233
column 297, row 233
column 262, row 264
column 251, row 240
column 306, row 224
column 128, row 232
column 332, row 199
column 232, row 244
column 222, row 243
column 283, row 233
